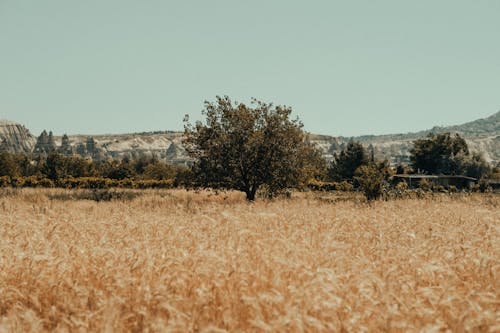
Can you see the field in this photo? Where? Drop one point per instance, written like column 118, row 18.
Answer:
column 197, row 262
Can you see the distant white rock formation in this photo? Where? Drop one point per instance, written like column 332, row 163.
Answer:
column 15, row 137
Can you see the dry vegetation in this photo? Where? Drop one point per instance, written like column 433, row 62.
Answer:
column 186, row 262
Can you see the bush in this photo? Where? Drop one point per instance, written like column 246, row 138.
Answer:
column 17, row 182
column 476, row 188
column 345, row 186
column 440, row 188
column 95, row 195
column 317, row 185
column 165, row 183
column 34, row 181
column 371, row 181
column 424, row 185
column 402, row 186
column 5, row 181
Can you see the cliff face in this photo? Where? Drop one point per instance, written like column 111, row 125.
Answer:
column 15, row 137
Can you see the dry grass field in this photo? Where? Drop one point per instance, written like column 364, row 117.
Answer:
column 176, row 261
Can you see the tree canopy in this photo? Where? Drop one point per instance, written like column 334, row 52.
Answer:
column 447, row 154
column 244, row 147
column 344, row 164
column 435, row 154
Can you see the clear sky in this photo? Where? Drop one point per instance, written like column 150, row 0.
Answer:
column 345, row 67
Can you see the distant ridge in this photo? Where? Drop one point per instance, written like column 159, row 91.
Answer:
column 482, row 135
column 489, row 125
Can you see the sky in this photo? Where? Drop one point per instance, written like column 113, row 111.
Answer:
column 345, row 67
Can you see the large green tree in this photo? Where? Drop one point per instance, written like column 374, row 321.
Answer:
column 61, row 166
column 244, row 147
column 437, row 154
column 345, row 164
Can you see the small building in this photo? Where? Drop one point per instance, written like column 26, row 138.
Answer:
column 413, row 181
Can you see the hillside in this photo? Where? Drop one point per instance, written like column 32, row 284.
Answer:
column 15, row 137
column 482, row 135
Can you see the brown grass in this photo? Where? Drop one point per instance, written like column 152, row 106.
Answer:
column 186, row 262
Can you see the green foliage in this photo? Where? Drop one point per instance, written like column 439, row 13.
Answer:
column 8, row 165
column 5, row 181
column 425, row 185
column 345, row 164
column 117, row 169
column 436, row 153
column 159, row 171
column 318, row 185
column 244, row 147
column 473, row 165
column 33, row 181
column 95, row 195
column 59, row 170
column 372, row 179
column 449, row 155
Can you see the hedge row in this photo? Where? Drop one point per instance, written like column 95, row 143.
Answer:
column 84, row 183
column 330, row 186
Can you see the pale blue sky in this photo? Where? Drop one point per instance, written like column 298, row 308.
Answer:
column 345, row 67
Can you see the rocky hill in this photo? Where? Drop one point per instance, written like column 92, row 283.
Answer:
column 482, row 135
column 15, row 137
column 165, row 145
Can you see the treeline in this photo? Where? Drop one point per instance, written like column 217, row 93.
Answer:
column 257, row 149
column 442, row 154
column 59, row 170
column 352, row 168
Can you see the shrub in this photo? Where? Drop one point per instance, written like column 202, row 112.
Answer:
column 370, row 181
column 95, row 195
column 17, row 182
column 45, row 182
column 440, row 188
column 476, row 188
column 345, row 186
column 5, row 181
column 402, row 186
column 424, row 185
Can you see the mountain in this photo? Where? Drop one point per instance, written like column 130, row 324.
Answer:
column 482, row 135
column 486, row 126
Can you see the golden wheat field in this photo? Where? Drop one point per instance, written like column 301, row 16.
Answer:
column 177, row 261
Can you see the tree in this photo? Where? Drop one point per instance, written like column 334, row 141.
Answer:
column 8, row 165
column 344, row 165
column 159, row 171
column 435, row 154
column 59, row 166
column 243, row 147
column 116, row 169
column 372, row 178
column 472, row 165
column 449, row 155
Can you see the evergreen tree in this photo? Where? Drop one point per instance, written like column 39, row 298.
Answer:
column 345, row 163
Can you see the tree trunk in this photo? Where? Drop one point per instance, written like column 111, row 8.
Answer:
column 251, row 193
